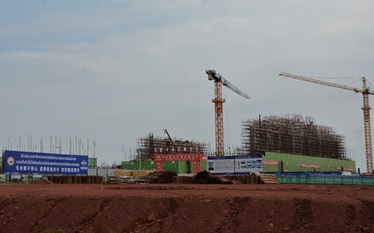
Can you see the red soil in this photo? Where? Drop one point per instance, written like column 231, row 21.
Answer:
column 185, row 208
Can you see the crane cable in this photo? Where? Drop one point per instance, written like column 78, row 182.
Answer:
column 348, row 84
column 369, row 84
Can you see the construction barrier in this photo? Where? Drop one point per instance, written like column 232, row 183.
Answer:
column 122, row 173
column 317, row 179
column 76, row 179
column 139, row 173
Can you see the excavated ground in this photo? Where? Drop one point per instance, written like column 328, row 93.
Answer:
column 185, row 208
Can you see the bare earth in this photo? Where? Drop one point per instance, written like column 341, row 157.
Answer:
column 185, row 208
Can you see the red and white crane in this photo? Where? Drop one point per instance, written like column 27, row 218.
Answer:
column 366, row 108
column 218, row 104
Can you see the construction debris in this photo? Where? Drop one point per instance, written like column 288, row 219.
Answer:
column 161, row 177
column 205, row 177
column 267, row 179
column 126, row 180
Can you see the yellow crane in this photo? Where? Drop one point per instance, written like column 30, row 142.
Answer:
column 218, row 105
column 366, row 109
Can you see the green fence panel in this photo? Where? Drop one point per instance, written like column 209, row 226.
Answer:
column 292, row 163
column 337, row 180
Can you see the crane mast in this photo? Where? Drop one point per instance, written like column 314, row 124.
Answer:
column 219, row 81
column 368, row 146
column 218, row 110
column 366, row 110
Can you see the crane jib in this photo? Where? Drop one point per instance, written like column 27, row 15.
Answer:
column 234, row 89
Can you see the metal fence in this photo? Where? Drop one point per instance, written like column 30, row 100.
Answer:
column 341, row 180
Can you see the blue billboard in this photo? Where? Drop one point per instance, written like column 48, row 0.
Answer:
column 45, row 163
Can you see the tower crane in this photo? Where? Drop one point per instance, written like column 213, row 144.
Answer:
column 366, row 109
column 218, row 106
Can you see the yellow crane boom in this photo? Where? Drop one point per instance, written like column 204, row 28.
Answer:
column 366, row 109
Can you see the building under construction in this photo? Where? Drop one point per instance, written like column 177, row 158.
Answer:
column 292, row 134
column 151, row 145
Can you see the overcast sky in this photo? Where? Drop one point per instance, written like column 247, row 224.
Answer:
column 115, row 71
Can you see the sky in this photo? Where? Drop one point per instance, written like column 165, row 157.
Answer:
column 112, row 72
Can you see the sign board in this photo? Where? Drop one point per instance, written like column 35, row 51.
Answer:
column 243, row 164
column 195, row 158
column 221, row 164
column 45, row 163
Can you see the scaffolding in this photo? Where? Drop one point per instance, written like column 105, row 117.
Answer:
column 151, row 145
column 293, row 135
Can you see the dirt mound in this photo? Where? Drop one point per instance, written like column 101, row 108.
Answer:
column 42, row 181
column 205, row 177
column 182, row 208
column 161, row 177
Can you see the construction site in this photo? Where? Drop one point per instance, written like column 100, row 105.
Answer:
column 290, row 171
column 187, row 116
column 280, row 140
column 289, row 143
column 299, row 143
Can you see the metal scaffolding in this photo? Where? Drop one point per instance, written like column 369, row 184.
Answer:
column 151, row 145
column 293, row 135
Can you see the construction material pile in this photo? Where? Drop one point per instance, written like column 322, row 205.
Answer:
column 205, row 177
column 161, row 177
